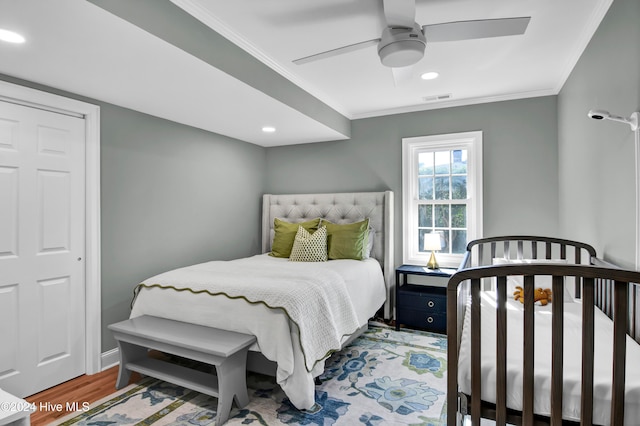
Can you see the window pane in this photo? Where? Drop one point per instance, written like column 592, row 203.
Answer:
column 459, row 161
column 443, row 159
column 442, row 188
column 458, row 216
column 425, row 163
column 459, row 187
column 425, row 216
column 441, row 213
column 421, row 234
column 459, row 243
column 425, row 188
column 445, row 240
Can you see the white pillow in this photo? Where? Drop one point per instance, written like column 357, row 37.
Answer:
column 309, row 247
column 370, row 238
column 543, row 281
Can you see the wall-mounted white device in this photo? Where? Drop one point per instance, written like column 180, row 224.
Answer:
column 598, row 114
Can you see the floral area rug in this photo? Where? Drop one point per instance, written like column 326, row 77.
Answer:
column 385, row 377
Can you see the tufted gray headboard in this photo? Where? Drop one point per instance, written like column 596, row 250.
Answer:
column 339, row 208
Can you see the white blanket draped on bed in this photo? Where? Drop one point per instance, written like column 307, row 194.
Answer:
column 572, row 373
column 334, row 299
column 307, row 293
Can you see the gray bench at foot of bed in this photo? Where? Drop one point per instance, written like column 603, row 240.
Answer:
column 226, row 350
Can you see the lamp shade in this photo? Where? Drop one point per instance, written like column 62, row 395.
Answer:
column 431, row 242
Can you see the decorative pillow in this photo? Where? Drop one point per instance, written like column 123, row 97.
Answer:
column 347, row 241
column 309, row 247
column 543, row 281
column 285, row 233
column 371, row 236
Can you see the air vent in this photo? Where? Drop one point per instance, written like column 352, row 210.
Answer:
column 437, row 98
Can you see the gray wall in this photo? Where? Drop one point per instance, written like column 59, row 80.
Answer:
column 520, row 161
column 171, row 195
column 597, row 167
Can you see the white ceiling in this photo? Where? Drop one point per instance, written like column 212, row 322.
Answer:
column 77, row 46
column 356, row 84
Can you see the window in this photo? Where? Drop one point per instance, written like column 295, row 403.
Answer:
column 442, row 193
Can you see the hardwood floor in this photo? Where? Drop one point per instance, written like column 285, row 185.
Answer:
column 52, row 403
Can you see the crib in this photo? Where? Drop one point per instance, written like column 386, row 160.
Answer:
column 572, row 361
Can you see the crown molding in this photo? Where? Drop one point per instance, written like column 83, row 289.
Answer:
column 456, row 103
column 587, row 33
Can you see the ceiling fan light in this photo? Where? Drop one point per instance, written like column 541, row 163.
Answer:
column 430, row 75
column 10, row 36
column 401, row 53
column 401, row 47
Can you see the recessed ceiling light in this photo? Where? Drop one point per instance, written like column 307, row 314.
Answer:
column 10, row 36
column 429, row 75
column 268, row 129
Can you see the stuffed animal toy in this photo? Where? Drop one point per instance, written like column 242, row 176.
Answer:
column 539, row 295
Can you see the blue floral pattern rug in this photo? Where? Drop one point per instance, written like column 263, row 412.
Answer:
column 385, row 377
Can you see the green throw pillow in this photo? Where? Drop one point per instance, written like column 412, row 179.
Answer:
column 347, row 241
column 310, row 247
column 285, row 233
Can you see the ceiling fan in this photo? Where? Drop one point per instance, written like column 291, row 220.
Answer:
column 403, row 41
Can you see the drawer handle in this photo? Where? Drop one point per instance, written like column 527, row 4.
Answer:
column 429, row 320
column 430, row 304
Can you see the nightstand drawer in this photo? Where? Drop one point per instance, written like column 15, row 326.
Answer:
column 421, row 319
column 431, row 299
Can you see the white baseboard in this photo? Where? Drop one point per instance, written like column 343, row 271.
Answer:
column 109, row 359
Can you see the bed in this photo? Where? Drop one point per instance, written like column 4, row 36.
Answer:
column 522, row 363
column 300, row 312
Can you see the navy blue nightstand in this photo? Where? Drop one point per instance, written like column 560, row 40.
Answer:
column 421, row 306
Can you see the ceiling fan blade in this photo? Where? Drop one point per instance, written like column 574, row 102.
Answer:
column 335, row 52
column 400, row 13
column 468, row 30
column 402, row 75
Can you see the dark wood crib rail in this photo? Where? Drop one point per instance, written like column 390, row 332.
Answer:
column 605, row 300
column 481, row 252
column 587, row 276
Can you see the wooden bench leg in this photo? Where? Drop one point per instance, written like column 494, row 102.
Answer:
column 232, row 383
column 128, row 352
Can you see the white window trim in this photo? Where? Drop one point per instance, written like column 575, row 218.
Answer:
column 472, row 142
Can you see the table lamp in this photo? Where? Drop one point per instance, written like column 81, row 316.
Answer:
column 432, row 242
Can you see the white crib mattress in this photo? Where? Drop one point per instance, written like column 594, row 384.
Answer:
column 603, row 329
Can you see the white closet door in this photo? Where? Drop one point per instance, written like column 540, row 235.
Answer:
column 42, row 286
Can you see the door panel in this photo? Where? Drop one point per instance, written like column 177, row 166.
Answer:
column 9, row 311
column 9, row 212
column 8, row 132
column 53, row 342
column 53, row 211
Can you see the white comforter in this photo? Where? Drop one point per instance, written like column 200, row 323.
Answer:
column 299, row 312
column 603, row 329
